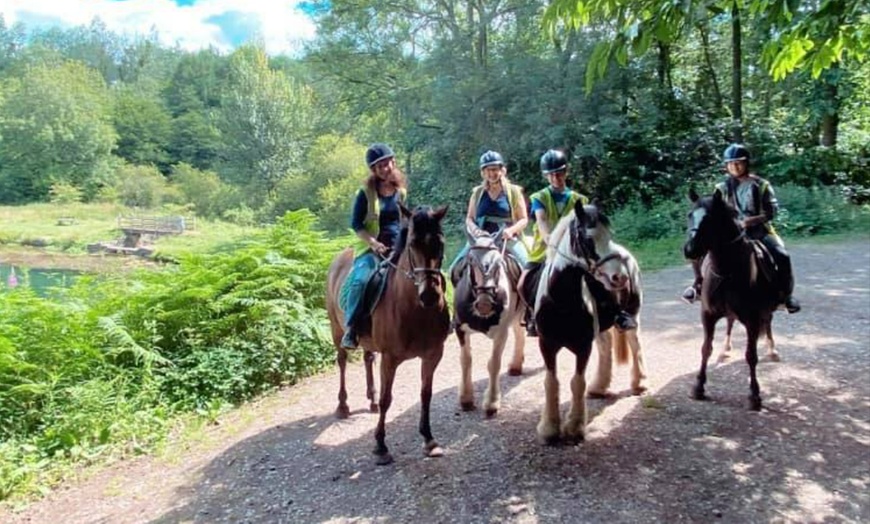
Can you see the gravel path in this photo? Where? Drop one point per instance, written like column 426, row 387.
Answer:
column 660, row 458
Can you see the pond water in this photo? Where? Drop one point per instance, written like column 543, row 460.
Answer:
column 41, row 280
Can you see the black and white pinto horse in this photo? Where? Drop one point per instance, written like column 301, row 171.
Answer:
column 486, row 301
column 619, row 271
column 734, row 283
column 566, row 315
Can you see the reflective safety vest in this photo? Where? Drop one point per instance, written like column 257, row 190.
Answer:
column 539, row 249
column 514, row 198
column 371, row 223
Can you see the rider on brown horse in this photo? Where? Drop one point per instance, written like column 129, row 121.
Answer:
column 377, row 222
column 756, row 204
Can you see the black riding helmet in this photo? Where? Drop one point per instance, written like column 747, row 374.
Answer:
column 491, row 158
column 735, row 152
column 378, row 152
column 553, row 161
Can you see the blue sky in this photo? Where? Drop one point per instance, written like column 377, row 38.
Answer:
column 192, row 24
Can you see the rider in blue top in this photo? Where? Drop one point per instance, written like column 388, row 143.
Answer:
column 376, row 220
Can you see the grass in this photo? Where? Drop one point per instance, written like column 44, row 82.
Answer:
column 37, row 225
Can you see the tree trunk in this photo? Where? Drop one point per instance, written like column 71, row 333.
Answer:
column 736, row 75
column 831, row 116
column 711, row 71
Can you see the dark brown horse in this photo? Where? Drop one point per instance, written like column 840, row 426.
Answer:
column 734, row 283
column 411, row 319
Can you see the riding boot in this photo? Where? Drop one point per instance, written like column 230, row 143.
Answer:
column 351, row 298
column 609, row 311
column 531, row 329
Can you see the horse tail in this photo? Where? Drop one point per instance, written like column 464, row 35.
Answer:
column 620, row 347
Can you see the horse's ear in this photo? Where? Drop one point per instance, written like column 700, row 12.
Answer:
column 440, row 212
column 405, row 211
column 580, row 210
column 693, row 195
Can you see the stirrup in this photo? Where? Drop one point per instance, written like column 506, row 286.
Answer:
column 792, row 305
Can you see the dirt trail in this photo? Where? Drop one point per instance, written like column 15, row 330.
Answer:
column 661, row 458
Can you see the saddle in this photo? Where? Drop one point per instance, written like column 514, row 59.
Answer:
column 374, row 290
column 765, row 260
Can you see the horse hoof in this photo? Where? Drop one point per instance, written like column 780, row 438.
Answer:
column 638, row 390
column 550, row 440
column 467, row 406
column 433, row 450
column 342, row 412
column 754, row 404
column 773, row 357
column 373, row 407
column 698, row 394
column 491, row 412
column 573, row 440
column 384, row 459
column 723, row 357
column 599, row 394
column 515, row 372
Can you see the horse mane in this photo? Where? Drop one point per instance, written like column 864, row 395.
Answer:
column 400, row 245
column 558, row 234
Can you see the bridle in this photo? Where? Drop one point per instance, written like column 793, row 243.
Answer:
column 416, row 274
column 488, row 274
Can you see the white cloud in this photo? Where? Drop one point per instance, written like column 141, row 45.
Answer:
column 282, row 27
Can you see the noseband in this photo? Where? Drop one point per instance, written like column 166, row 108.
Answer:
column 487, row 274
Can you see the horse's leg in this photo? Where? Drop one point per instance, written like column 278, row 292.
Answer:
column 709, row 323
column 371, row 392
column 342, row 411
column 492, row 400
column 638, row 368
column 466, row 390
column 388, row 374
column 772, row 353
column 548, row 426
column 575, row 425
column 599, row 386
column 427, row 373
column 725, row 354
column 516, row 367
column 752, row 332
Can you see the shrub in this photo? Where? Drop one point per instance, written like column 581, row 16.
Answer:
column 64, row 193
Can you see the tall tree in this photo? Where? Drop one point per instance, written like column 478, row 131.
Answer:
column 56, row 124
column 266, row 121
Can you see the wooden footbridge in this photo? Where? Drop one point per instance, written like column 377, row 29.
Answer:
column 136, row 227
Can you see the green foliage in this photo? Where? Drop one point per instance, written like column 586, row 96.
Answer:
column 204, row 189
column 141, row 186
column 63, row 193
column 266, row 121
column 806, row 211
column 144, row 127
column 104, row 369
column 56, row 127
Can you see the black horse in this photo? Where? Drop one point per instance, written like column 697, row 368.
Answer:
column 735, row 282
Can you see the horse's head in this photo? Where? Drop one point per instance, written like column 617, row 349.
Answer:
column 485, row 267
column 597, row 223
column 582, row 244
column 710, row 221
column 424, row 251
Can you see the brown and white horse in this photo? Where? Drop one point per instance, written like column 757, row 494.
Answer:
column 486, row 300
column 566, row 315
column 619, row 271
column 411, row 319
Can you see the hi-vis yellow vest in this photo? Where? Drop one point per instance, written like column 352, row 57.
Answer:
column 514, row 197
column 373, row 212
column 539, row 249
